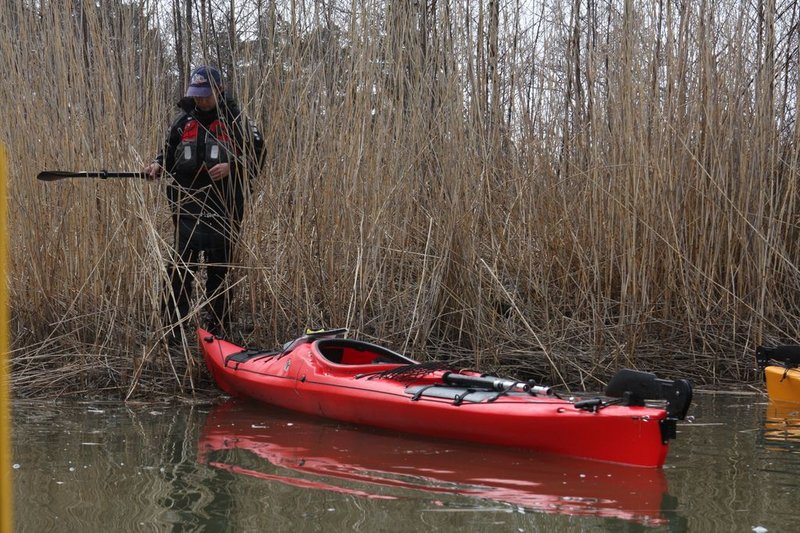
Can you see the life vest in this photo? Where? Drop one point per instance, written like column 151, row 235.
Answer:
column 201, row 148
column 196, row 141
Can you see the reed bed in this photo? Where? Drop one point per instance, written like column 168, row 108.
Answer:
column 552, row 188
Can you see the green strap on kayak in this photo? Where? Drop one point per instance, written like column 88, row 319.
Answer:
column 318, row 333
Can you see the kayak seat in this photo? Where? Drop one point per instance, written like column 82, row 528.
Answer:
column 353, row 352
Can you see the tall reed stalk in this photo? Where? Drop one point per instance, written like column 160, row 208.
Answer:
column 553, row 188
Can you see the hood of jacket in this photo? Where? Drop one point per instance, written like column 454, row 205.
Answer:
column 228, row 106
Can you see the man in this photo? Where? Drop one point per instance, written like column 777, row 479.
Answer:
column 211, row 153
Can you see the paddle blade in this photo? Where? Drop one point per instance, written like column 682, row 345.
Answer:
column 54, row 175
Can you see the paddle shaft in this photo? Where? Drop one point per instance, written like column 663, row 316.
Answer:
column 54, row 175
column 483, row 382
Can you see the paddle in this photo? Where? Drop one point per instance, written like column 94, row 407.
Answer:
column 493, row 383
column 54, row 175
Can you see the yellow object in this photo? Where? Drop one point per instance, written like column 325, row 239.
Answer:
column 783, row 385
column 6, row 519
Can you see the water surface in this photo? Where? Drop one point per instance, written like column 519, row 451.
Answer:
column 234, row 466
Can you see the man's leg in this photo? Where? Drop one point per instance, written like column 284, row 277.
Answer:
column 219, row 294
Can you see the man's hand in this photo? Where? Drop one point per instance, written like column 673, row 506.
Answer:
column 153, row 171
column 219, row 171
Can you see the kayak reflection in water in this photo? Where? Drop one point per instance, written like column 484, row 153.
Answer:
column 316, row 454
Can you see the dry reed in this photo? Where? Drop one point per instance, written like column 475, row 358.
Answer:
column 556, row 189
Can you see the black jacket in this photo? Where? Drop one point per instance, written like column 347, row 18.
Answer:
column 195, row 142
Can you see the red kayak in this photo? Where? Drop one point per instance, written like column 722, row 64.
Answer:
column 317, row 454
column 361, row 383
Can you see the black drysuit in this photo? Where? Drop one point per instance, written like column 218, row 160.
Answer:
column 207, row 214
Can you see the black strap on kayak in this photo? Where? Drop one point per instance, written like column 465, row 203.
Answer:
column 595, row 404
column 484, row 382
column 457, row 395
column 497, row 395
column 490, row 399
column 421, row 392
column 248, row 356
column 459, row 398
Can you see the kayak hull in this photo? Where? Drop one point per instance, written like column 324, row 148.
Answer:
column 783, row 384
column 303, row 378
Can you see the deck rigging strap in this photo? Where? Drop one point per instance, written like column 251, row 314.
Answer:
column 458, row 399
column 460, row 395
column 248, row 356
column 417, row 395
column 410, row 372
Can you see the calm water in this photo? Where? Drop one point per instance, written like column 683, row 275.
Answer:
column 232, row 466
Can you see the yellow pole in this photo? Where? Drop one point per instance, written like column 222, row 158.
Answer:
column 6, row 508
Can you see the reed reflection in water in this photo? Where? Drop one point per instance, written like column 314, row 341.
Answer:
column 111, row 467
column 237, row 467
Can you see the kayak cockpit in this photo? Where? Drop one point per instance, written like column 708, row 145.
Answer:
column 352, row 352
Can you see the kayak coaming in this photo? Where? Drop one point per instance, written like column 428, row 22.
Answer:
column 303, row 379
